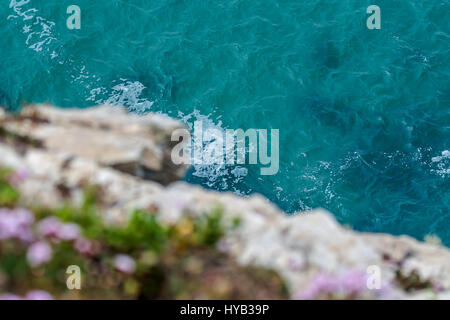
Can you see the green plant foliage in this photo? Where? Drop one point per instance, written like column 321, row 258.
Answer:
column 8, row 194
column 142, row 259
column 142, row 232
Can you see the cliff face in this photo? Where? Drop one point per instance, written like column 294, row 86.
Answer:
column 128, row 158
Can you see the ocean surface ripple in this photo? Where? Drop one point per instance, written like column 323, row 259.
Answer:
column 364, row 115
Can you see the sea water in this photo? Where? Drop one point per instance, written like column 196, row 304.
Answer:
column 364, row 115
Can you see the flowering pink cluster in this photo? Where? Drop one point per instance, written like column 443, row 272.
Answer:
column 53, row 230
column 39, row 253
column 16, row 224
column 349, row 284
column 38, row 239
column 17, row 177
column 124, row 263
column 31, row 295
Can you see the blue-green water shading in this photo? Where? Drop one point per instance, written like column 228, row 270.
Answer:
column 364, row 114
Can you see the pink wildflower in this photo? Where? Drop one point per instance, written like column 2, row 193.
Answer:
column 39, row 253
column 49, row 227
column 38, row 295
column 54, row 228
column 9, row 296
column 124, row 263
column 353, row 282
column 69, row 231
column 321, row 284
column 18, row 177
column 16, row 224
column 84, row 246
column 349, row 284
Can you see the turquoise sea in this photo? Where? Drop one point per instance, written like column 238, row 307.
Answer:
column 364, row 115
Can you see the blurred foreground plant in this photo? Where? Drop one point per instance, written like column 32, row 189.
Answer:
column 142, row 259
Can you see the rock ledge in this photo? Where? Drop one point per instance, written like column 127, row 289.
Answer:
column 128, row 158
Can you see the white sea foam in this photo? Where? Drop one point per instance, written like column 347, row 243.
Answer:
column 123, row 93
column 213, row 175
column 39, row 30
column 129, row 94
column 442, row 164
